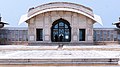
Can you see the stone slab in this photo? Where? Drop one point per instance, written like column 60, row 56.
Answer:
column 60, row 61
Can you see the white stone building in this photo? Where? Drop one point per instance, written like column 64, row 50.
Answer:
column 60, row 23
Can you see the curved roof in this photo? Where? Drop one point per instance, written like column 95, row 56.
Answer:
column 60, row 6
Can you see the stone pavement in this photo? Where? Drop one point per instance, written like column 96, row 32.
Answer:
column 65, row 47
column 57, row 66
column 53, row 55
column 38, row 54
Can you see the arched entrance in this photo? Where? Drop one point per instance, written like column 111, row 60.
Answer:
column 61, row 31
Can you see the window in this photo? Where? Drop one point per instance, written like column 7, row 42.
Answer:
column 94, row 37
column 20, row 35
column 81, row 34
column 39, row 33
column 115, row 35
column 105, row 35
column 61, row 31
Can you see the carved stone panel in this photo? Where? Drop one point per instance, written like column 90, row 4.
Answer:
column 32, row 38
column 39, row 20
column 47, row 38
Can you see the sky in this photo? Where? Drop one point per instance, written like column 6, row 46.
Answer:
column 109, row 10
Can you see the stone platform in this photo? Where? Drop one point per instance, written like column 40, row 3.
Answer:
column 52, row 55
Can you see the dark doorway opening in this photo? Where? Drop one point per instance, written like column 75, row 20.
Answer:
column 81, row 34
column 39, row 33
column 61, row 31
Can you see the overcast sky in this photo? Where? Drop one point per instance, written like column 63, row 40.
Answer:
column 11, row 10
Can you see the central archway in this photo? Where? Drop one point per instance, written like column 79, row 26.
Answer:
column 61, row 31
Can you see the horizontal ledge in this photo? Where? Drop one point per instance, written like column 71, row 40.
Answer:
column 60, row 61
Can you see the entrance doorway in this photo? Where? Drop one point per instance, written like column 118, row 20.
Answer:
column 61, row 31
column 81, row 34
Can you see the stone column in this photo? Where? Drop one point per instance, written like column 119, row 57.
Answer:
column 75, row 25
column 31, row 30
column 47, row 32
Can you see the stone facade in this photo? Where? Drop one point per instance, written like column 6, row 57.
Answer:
column 14, row 36
column 19, row 36
column 43, row 18
column 106, row 36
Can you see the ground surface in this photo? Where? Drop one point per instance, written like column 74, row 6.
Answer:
column 46, row 54
column 54, row 52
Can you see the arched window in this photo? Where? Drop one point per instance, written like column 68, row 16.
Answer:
column 61, row 31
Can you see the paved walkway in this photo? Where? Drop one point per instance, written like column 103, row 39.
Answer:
column 58, row 54
column 65, row 47
column 52, row 52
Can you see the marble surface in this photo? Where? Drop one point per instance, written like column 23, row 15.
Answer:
column 57, row 54
column 53, row 52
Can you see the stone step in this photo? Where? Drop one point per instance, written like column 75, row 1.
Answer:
column 61, row 61
column 61, row 47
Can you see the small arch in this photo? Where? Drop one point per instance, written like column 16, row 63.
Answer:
column 61, row 31
column 61, row 19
